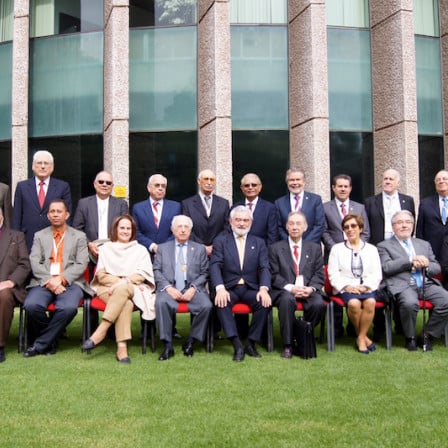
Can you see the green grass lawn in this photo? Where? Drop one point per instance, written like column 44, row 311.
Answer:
column 340, row 399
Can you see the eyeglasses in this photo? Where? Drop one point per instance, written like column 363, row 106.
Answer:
column 350, row 226
column 42, row 162
column 250, row 185
column 404, row 221
column 208, row 179
column 107, row 182
column 159, row 185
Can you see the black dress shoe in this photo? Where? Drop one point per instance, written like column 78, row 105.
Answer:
column 51, row 350
column 287, row 353
column 188, row 349
column 425, row 342
column 125, row 360
column 166, row 354
column 252, row 351
column 30, row 352
column 88, row 345
column 411, row 344
column 238, row 355
column 2, row 354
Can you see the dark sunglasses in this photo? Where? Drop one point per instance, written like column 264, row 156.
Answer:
column 250, row 185
column 350, row 226
column 107, row 182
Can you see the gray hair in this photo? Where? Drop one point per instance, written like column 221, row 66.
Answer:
column 179, row 217
column 43, row 153
column 241, row 209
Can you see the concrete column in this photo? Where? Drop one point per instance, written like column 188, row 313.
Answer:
column 308, row 93
column 116, row 92
column 20, row 82
column 394, row 92
column 214, row 93
column 443, row 15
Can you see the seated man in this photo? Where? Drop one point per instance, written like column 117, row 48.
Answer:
column 58, row 260
column 404, row 259
column 239, row 272
column 181, row 272
column 297, row 270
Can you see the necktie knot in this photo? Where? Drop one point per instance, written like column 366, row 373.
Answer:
column 250, row 205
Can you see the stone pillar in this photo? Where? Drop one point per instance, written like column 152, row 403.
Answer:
column 443, row 15
column 394, row 92
column 20, row 82
column 308, row 93
column 214, row 93
column 116, row 92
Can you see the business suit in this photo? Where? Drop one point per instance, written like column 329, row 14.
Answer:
column 197, row 274
column 206, row 228
column 397, row 272
column 28, row 216
column 14, row 266
column 265, row 223
column 313, row 210
column 5, row 204
column 225, row 270
column 147, row 231
column 375, row 214
column 75, row 258
column 429, row 224
column 311, row 267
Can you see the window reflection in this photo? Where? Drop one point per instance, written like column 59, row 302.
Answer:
column 143, row 13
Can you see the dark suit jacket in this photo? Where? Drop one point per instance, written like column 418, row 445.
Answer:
column 265, row 223
column 14, row 261
column 86, row 215
column 311, row 266
column 312, row 208
column 375, row 214
column 147, row 232
column 28, row 217
column 225, row 267
column 206, row 229
column 5, row 204
column 429, row 224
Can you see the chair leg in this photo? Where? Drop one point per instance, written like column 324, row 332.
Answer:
column 210, row 335
column 152, row 333
column 330, row 327
column 145, row 324
column 446, row 335
column 270, row 324
column 20, row 345
column 87, row 318
column 388, row 319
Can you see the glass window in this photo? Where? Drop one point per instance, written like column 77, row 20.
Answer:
column 5, row 162
column 6, row 19
column 349, row 13
column 258, row 11
column 429, row 85
column 431, row 152
column 173, row 154
column 259, row 77
column 5, row 90
column 349, row 79
column 426, row 17
column 163, row 79
column 66, row 85
column 352, row 153
column 144, row 13
column 49, row 17
column 265, row 153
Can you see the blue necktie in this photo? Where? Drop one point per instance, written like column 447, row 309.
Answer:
column 444, row 212
column 417, row 274
column 180, row 268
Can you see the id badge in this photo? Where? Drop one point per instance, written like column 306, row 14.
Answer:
column 299, row 281
column 55, row 269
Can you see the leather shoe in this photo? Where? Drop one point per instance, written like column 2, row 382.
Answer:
column 2, row 354
column 238, row 355
column 425, row 342
column 411, row 344
column 188, row 349
column 166, row 354
column 252, row 351
column 88, row 345
column 51, row 350
column 287, row 353
column 371, row 347
column 30, row 352
column 125, row 360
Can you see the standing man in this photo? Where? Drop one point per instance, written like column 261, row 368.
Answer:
column 433, row 213
column 58, row 260
column 5, row 204
column 209, row 212
column 297, row 270
column 405, row 260
column 95, row 214
column 33, row 196
column 239, row 272
column 14, row 271
column 265, row 224
column 181, row 272
column 299, row 200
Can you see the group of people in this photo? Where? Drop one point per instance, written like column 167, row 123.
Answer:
column 211, row 256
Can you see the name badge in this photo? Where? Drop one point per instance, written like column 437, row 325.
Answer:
column 55, row 269
column 183, row 267
column 299, row 281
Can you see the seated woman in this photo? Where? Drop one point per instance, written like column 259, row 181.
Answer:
column 354, row 271
column 123, row 277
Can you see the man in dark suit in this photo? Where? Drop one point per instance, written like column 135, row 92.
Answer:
column 239, row 272
column 209, row 212
column 265, row 224
column 432, row 223
column 34, row 195
column 404, row 261
column 181, row 273
column 58, row 260
column 297, row 270
column 5, row 204
column 299, row 200
column 14, row 271
column 95, row 214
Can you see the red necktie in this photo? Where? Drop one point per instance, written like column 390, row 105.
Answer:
column 297, row 206
column 343, row 209
column 156, row 217
column 250, row 205
column 41, row 195
column 296, row 259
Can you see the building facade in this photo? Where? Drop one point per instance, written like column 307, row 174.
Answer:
column 176, row 86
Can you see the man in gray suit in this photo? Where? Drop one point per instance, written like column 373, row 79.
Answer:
column 5, row 204
column 58, row 260
column 405, row 260
column 181, row 272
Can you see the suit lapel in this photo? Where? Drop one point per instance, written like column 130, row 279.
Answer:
column 379, row 205
column 288, row 259
column 200, row 207
column 32, row 193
